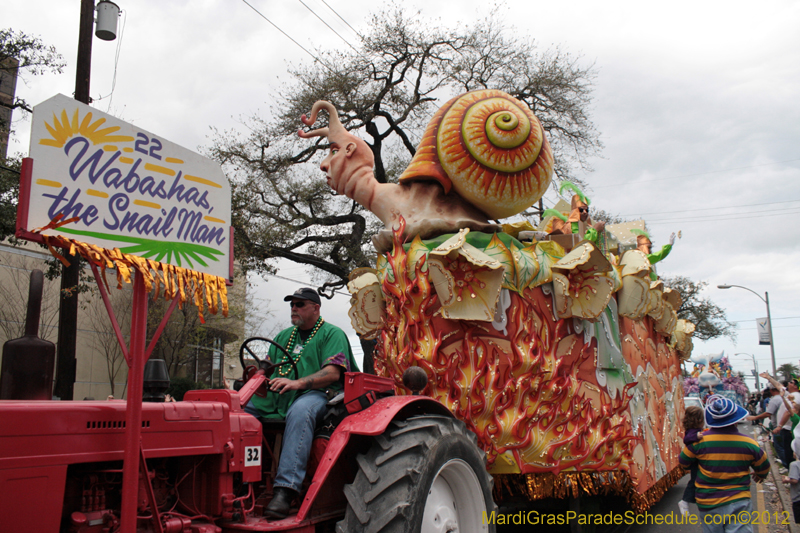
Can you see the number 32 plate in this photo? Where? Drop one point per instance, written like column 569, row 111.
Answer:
column 252, row 456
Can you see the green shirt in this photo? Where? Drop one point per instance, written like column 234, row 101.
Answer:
column 329, row 346
column 658, row 256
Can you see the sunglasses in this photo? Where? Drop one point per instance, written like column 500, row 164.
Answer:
column 298, row 305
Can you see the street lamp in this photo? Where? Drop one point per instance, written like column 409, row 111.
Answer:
column 755, row 364
column 765, row 299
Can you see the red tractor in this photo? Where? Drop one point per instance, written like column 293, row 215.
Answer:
column 382, row 462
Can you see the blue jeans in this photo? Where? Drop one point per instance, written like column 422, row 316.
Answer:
column 301, row 419
column 726, row 524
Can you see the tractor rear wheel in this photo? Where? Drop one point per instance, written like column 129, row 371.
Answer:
column 423, row 474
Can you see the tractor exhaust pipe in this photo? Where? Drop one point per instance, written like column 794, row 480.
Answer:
column 29, row 362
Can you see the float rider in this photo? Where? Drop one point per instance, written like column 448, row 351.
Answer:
column 578, row 222
column 645, row 245
column 322, row 354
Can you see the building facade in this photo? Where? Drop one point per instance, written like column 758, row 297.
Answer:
column 205, row 353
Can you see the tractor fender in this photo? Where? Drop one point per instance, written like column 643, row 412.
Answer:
column 371, row 421
column 375, row 419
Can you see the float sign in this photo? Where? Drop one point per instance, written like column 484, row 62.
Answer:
column 130, row 189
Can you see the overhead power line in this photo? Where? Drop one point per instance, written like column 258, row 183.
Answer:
column 706, row 208
column 787, row 358
column 15, row 171
column 328, row 25
column 288, row 36
column 110, row 95
column 773, row 318
column 343, row 20
column 404, row 80
column 736, row 215
column 722, row 218
column 304, row 283
column 360, row 54
column 631, row 182
column 773, row 327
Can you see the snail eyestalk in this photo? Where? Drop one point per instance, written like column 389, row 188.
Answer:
column 334, row 124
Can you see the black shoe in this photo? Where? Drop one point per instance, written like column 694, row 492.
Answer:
column 281, row 502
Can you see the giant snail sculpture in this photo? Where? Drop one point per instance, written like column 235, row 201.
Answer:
column 484, row 155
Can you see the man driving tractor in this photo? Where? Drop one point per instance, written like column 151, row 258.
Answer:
column 322, row 354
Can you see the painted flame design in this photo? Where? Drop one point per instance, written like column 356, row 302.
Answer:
column 532, row 395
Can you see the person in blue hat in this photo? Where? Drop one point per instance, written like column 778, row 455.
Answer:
column 322, row 355
column 726, row 458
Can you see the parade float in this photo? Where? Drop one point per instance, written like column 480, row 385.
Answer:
column 553, row 340
column 713, row 374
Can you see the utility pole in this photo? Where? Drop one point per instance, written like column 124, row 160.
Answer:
column 70, row 276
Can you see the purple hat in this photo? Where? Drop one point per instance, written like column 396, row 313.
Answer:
column 721, row 412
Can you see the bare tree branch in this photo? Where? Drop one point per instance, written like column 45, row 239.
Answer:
column 386, row 90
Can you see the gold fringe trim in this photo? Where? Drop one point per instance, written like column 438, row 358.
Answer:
column 205, row 290
column 642, row 502
column 574, row 484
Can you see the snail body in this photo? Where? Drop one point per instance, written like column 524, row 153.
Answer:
column 483, row 155
column 490, row 149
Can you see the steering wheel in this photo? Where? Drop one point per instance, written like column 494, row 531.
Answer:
column 258, row 348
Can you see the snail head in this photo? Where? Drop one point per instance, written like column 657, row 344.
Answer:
column 349, row 159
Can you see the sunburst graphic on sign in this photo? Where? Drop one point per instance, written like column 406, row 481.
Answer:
column 62, row 130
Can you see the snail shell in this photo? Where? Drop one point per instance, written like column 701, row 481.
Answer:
column 488, row 147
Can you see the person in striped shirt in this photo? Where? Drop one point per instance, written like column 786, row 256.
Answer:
column 725, row 457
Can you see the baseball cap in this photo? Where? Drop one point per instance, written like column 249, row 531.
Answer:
column 306, row 293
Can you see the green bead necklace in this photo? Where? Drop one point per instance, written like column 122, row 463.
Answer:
column 290, row 345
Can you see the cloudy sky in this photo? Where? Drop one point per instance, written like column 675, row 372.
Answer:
column 696, row 103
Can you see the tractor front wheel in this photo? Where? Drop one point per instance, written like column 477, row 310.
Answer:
column 423, row 474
